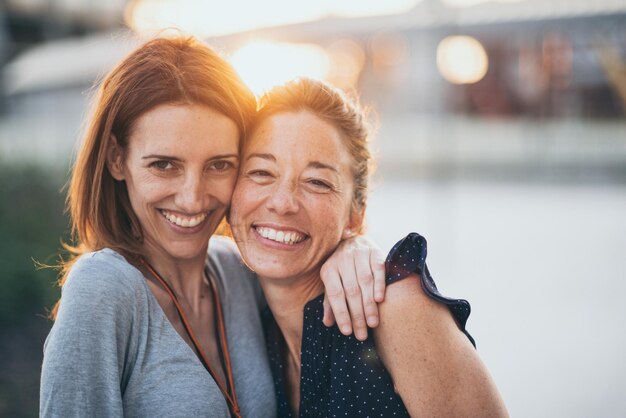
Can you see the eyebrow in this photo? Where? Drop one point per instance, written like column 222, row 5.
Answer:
column 160, row 157
column 262, row 156
column 312, row 164
column 320, row 165
column 169, row 157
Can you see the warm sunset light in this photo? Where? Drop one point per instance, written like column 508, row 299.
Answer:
column 462, row 60
column 206, row 18
column 346, row 62
column 263, row 65
column 469, row 3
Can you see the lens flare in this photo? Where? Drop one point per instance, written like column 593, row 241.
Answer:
column 462, row 60
column 263, row 65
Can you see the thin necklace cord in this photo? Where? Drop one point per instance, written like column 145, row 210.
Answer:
column 230, row 396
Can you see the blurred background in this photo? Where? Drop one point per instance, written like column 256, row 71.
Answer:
column 501, row 137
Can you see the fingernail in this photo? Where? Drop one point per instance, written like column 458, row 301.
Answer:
column 372, row 321
column 346, row 330
column 361, row 335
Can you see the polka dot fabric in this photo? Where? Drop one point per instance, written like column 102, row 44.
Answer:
column 409, row 256
column 341, row 376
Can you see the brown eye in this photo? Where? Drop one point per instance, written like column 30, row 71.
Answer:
column 221, row 165
column 259, row 173
column 319, row 184
column 162, row 165
column 260, row 176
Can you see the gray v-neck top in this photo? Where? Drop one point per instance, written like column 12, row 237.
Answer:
column 112, row 352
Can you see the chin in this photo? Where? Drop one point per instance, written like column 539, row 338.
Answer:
column 276, row 269
column 266, row 267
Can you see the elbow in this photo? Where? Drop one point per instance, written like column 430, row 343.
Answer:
column 480, row 401
column 455, row 398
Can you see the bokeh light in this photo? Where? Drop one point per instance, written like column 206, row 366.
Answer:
column 205, row 18
column 263, row 65
column 462, row 60
column 347, row 59
column 388, row 49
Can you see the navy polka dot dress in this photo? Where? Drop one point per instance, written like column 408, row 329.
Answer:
column 342, row 376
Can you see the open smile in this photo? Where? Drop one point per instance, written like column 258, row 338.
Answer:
column 280, row 235
column 182, row 220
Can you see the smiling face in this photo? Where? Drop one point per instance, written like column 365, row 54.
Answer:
column 292, row 203
column 180, row 169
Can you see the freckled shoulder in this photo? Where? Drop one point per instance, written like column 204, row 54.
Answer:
column 407, row 296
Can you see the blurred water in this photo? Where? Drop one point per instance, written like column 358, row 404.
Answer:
column 544, row 268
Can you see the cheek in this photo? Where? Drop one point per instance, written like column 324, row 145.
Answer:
column 331, row 215
column 147, row 191
column 242, row 196
column 223, row 189
column 235, row 202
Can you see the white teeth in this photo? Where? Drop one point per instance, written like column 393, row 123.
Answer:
column 280, row 236
column 184, row 222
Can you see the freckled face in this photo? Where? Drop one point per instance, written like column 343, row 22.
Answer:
column 292, row 202
column 180, row 169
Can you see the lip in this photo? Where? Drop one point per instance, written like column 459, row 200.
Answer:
column 275, row 244
column 182, row 230
column 279, row 227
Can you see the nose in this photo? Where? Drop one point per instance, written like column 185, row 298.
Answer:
column 192, row 196
column 283, row 199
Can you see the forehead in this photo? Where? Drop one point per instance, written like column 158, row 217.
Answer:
column 300, row 135
column 175, row 127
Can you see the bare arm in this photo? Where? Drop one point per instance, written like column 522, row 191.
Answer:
column 436, row 370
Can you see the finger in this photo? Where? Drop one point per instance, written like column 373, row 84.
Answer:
column 354, row 297
column 329, row 318
column 336, row 299
column 377, row 264
column 365, row 279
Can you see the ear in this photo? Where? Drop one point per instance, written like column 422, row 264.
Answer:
column 355, row 224
column 115, row 160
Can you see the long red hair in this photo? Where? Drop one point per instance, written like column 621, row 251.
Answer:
column 178, row 70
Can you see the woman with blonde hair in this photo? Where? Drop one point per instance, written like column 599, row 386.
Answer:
column 304, row 174
column 148, row 323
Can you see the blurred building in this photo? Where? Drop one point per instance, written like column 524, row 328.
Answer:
column 29, row 22
column 543, row 58
column 523, row 87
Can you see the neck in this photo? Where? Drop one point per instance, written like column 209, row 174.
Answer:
column 184, row 276
column 286, row 298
